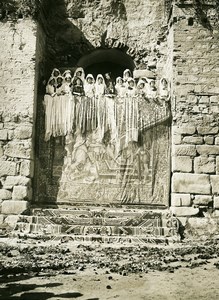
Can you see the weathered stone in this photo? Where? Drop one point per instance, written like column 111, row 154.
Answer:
column 184, row 129
column 200, row 227
column 27, row 168
column 1, row 149
column 14, row 207
column 23, row 132
column 214, row 99
column 217, row 141
column 181, row 164
column 204, row 99
column 5, row 194
column 7, row 168
column 180, row 200
column 214, row 179
column 191, row 183
column 204, row 164
column 12, row 220
column 21, row 193
column 176, row 139
column 196, row 140
column 217, row 165
column 19, row 149
column 3, row 134
column 185, row 211
column 184, row 150
column 11, row 181
column 208, row 150
column 216, row 202
column 202, row 200
column 207, row 130
column 209, row 140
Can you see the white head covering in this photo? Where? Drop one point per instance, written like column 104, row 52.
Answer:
column 89, row 88
column 120, row 88
column 82, row 76
column 55, row 70
column 125, row 73
column 164, row 89
column 67, row 73
column 50, row 89
column 100, row 87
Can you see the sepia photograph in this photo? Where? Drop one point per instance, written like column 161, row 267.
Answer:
column 109, row 149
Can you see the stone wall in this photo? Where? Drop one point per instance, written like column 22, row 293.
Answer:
column 195, row 131
column 18, row 90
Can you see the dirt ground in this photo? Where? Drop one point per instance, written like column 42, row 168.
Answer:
column 36, row 270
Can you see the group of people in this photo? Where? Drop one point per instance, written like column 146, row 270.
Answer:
column 59, row 99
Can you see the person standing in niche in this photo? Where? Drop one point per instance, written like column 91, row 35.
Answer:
column 67, row 102
column 110, row 89
column 120, row 87
column 48, row 104
column 141, row 88
column 79, row 72
column 151, row 88
column 131, row 89
column 89, row 86
column 100, row 86
column 77, row 86
column 59, row 108
column 126, row 75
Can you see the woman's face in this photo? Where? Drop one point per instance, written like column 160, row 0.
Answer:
column 131, row 83
column 52, row 82
column 141, row 86
column 120, row 81
column 164, row 83
column 127, row 74
column 56, row 73
column 68, row 79
column 79, row 73
column 100, row 80
column 90, row 80
column 59, row 80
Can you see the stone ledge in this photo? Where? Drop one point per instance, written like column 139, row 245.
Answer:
column 184, row 211
column 191, row 183
column 14, row 207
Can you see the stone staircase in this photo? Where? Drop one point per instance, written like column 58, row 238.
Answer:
column 99, row 224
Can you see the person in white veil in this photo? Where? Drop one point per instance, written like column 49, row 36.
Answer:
column 151, row 88
column 126, row 75
column 164, row 90
column 55, row 74
column 89, row 86
column 120, row 87
column 58, row 108
column 141, row 88
column 48, row 104
column 131, row 88
column 100, row 86
column 67, row 103
column 79, row 72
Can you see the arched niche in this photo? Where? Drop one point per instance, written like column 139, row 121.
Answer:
column 102, row 61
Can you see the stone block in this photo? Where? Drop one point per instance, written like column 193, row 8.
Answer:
column 184, row 129
column 4, row 134
column 5, row 194
column 19, row 149
column 176, row 139
column 196, row 140
column 180, row 200
column 14, row 207
column 184, row 211
column 1, row 149
column 208, row 149
column 202, row 200
column 216, row 202
column 181, row 164
column 11, row 181
column 7, row 168
column 201, row 227
column 27, row 168
column 184, row 150
column 23, row 132
column 21, row 193
column 214, row 179
column 204, row 164
column 217, row 165
column 209, row 140
column 204, row 99
column 191, row 183
column 214, row 99
column 217, row 140
column 203, row 130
